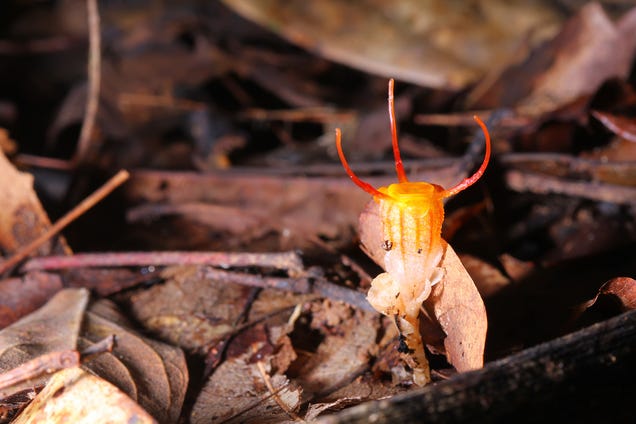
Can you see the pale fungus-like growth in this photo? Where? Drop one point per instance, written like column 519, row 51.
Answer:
column 412, row 214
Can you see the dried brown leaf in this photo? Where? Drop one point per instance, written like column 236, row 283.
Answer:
column 618, row 160
column 348, row 341
column 623, row 289
column 588, row 50
column 188, row 310
column 454, row 304
column 77, row 396
column 461, row 313
column 150, row 372
column 237, row 391
column 431, row 43
column 7, row 145
column 53, row 327
column 488, row 279
column 22, row 217
column 516, row 268
column 20, row 296
column 363, row 389
column 619, row 125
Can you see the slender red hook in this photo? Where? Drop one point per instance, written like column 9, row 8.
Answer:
column 399, row 167
column 362, row 184
column 467, row 182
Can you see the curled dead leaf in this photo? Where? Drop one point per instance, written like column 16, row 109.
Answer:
column 620, row 125
column 22, row 217
column 623, row 289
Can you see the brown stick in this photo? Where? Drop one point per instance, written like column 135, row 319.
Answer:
column 53, row 362
column 466, row 119
column 107, row 344
column 544, row 184
column 94, row 80
column 302, row 284
column 44, row 364
column 71, row 216
column 43, row 45
column 289, row 261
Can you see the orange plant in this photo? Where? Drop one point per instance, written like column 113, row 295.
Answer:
column 412, row 214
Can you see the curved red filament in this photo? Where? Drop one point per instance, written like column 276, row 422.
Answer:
column 363, row 185
column 467, row 182
column 399, row 167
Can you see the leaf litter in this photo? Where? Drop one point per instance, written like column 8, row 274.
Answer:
column 275, row 342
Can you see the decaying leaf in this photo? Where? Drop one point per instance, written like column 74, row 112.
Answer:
column 348, row 341
column 7, row 145
column 22, row 217
column 53, row 327
column 238, row 392
column 454, row 305
column 620, row 125
column 623, row 289
column 515, row 268
column 20, row 296
column 152, row 373
column 488, row 279
column 188, row 310
column 461, row 313
column 77, row 396
column 431, row 43
column 588, row 50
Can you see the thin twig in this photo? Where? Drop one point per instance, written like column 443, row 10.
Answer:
column 546, row 184
column 162, row 101
column 466, row 119
column 308, row 114
column 563, row 162
column 71, row 216
column 296, row 285
column 44, row 45
column 44, row 364
column 107, row 344
column 304, row 284
column 43, row 162
column 53, row 362
column 289, row 261
column 94, row 80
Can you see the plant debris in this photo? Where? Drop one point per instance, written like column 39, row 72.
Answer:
column 232, row 266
